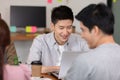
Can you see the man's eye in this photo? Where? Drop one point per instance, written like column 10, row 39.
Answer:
column 61, row 28
column 69, row 27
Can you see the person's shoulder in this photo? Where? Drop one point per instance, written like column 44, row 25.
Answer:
column 17, row 67
column 17, row 71
column 75, row 34
column 76, row 37
column 87, row 54
column 41, row 36
column 11, row 67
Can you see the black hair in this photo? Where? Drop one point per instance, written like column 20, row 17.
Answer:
column 61, row 13
column 97, row 15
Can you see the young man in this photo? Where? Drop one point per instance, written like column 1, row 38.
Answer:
column 102, row 62
column 48, row 48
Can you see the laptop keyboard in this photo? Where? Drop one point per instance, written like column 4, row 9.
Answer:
column 56, row 74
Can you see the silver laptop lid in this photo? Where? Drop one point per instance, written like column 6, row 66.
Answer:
column 67, row 59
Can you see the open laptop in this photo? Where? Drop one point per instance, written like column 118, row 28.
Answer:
column 67, row 59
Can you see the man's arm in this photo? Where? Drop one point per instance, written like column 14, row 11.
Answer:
column 35, row 51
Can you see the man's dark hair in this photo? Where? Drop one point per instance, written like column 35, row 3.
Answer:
column 97, row 15
column 61, row 13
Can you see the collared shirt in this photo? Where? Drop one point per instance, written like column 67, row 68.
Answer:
column 61, row 50
column 46, row 49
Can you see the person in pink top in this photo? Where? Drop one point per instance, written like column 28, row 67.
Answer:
column 10, row 72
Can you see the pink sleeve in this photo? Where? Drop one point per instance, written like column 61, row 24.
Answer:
column 12, row 72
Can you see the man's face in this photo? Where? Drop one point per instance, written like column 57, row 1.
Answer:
column 62, row 30
column 87, row 35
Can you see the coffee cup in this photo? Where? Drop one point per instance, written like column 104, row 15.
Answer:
column 36, row 68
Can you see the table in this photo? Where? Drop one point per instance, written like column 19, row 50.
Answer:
column 45, row 71
column 45, row 75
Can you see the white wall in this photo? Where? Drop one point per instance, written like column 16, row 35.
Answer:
column 76, row 6
column 22, row 47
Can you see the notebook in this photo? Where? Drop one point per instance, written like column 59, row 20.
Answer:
column 67, row 59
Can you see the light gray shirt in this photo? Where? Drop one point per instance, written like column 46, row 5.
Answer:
column 45, row 48
column 101, row 63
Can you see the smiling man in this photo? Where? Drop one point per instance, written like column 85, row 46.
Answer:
column 102, row 62
column 48, row 48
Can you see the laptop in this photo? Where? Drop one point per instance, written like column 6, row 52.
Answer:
column 67, row 59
